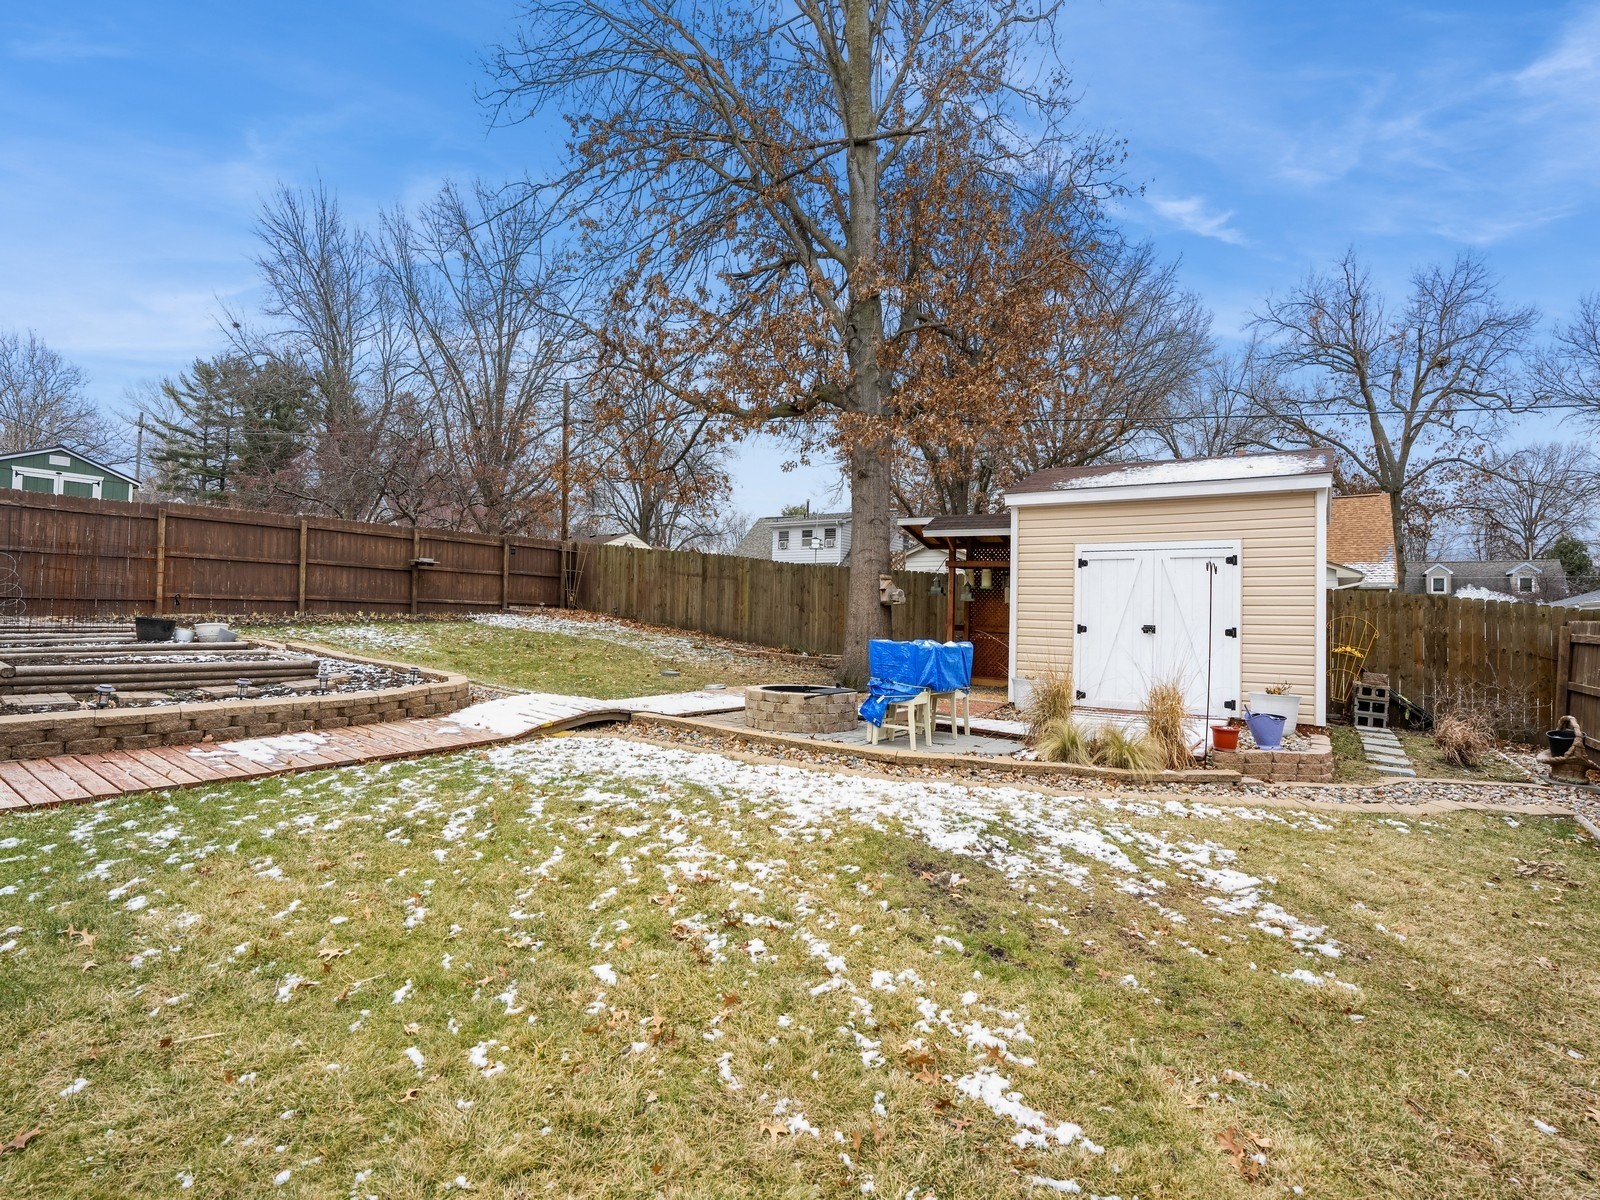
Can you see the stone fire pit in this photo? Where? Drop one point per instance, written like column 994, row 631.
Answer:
column 800, row 708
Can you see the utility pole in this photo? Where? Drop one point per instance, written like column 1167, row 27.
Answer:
column 138, row 453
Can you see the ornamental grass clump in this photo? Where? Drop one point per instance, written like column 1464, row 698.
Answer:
column 1124, row 751
column 1065, row 741
column 1463, row 738
column 1164, row 712
column 1050, row 701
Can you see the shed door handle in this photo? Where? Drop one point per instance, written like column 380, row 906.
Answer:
column 1149, row 629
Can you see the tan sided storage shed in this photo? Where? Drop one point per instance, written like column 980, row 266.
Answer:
column 1136, row 573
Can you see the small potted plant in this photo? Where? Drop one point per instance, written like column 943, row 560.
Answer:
column 1277, row 700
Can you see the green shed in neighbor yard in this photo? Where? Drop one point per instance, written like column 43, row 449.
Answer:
column 58, row 471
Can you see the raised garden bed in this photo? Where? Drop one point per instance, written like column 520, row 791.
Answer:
column 354, row 691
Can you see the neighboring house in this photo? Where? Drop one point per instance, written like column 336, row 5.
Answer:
column 1586, row 600
column 1540, row 579
column 807, row 538
column 613, row 539
column 1203, row 571
column 1361, row 542
column 58, row 471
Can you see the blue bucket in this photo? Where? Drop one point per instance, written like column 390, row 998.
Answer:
column 1266, row 728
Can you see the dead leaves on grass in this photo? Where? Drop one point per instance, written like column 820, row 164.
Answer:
column 20, row 1142
column 1246, row 1149
column 85, row 938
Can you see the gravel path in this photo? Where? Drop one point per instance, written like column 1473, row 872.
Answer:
column 1409, row 793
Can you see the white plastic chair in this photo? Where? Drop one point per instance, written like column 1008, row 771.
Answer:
column 915, row 712
column 960, row 711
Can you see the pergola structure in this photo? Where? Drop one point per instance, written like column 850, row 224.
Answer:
column 976, row 583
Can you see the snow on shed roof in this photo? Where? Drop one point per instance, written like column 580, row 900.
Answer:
column 1278, row 464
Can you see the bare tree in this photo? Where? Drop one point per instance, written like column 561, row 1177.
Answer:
column 1121, row 347
column 1216, row 414
column 744, row 152
column 480, row 298
column 42, row 401
column 332, row 317
column 1520, row 502
column 653, row 464
column 1399, row 395
column 1569, row 372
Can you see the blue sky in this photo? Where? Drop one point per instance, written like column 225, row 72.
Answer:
column 137, row 139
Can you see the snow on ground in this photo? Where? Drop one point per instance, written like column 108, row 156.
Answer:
column 367, row 637
column 641, row 813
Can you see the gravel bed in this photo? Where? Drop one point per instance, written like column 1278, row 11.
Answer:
column 1355, row 797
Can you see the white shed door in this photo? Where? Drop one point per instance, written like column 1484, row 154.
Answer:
column 1152, row 613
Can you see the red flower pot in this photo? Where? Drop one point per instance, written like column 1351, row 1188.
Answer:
column 1224, row 737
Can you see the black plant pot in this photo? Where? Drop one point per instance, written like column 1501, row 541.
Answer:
column 1560, row 741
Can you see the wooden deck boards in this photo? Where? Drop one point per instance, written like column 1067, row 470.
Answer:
column 28, row 784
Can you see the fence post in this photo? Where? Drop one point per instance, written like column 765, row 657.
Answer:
column 1563, row 670
column 416, row 553
column 505, row 573
column 161, row 560
column 300, row 593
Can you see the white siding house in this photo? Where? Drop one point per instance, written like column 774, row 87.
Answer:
column 807, row 538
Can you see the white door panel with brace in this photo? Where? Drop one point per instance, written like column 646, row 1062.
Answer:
column 1155, row 612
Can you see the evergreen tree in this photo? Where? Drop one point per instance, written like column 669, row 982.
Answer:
column 233, row 432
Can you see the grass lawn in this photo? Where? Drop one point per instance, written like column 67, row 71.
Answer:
column 550, row 662
column 592, row 967
column 1350, row 764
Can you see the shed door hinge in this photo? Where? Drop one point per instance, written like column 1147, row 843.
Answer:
column 1083, row 629
column 1083, row 562
column 1081, row 695
column 1231, row 631
column 1232, row 560
column 1230, row 704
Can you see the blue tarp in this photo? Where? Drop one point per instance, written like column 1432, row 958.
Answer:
column 899, row 670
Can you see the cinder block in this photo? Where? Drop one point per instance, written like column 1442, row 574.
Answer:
column 36, row 749
column 89, row 745
column 138, row 741
column 298, row 726
column 263, row 729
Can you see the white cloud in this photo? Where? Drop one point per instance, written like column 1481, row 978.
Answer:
column 1192, row 214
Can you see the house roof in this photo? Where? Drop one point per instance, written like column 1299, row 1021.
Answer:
column 1361, row 535
column 1276, row 464
column 757, row 543
column 1492, row 575
column 60, row 449
column 1583, row 600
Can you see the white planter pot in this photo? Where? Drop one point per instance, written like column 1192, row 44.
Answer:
column 1285, row 706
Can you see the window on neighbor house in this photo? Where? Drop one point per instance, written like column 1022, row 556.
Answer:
column 830, row 538
column 807, row 538
column 1436, row 584
column 783, row 539
column 1525, row 584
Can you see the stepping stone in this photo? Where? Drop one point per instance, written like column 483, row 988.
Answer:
column 1404, row 772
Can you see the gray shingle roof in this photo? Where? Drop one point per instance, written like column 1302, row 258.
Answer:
column 1492, row 575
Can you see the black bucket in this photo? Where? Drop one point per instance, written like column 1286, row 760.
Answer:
column 154, row 629
column 1560, row 742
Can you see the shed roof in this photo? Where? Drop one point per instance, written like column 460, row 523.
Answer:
column 1275, row 464
column 60, row 449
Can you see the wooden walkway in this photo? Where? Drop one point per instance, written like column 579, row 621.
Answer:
column 27, row 784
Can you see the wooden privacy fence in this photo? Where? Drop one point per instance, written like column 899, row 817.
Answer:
column 1579, row 680
column 1503, row 656
column 795, row 606
column 78, row 557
